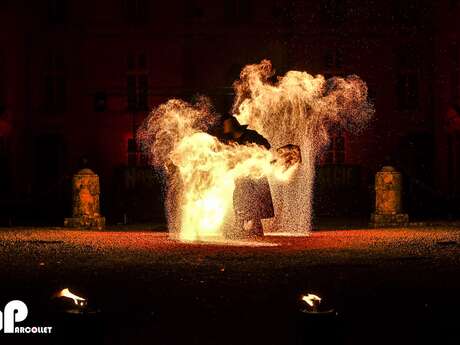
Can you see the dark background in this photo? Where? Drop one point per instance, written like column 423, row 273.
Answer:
column 78, row 77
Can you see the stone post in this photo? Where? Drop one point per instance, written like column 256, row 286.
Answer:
column 85, row 201
column 388, row 210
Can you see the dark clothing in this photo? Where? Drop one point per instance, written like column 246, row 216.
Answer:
column 252, row 198
column 252, row 137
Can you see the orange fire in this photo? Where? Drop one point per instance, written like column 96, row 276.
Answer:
column 79, row 301
column 209, row 169
column 311, row 299
column 201, row 171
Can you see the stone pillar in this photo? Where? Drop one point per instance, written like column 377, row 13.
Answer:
column 85, row 199
column 388, row 185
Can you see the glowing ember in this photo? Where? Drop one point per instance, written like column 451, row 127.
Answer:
column 311, row 299
column 76, row 299
column 201, row 171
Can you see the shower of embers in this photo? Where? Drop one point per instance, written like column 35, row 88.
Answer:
column 295, row 113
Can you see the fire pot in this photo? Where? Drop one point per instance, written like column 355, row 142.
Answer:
column 85, row 208
column 388, row 210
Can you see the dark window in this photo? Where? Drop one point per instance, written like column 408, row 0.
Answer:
column 333, row 59
column 283, row 12
column 407, row 91
column 2, row 146
column 100, row 101
column 49, row 91
column 142, row 91
column 453, row 4
column 233, row 74
column 55, row 84
column 2, row 85
column 371, row 93
column 131, row 62
column 57, row 11
column 136, row 11
column 137, row 82
column 407, row 79
column 193, row 11
column 49, row 162
column 141, row 61
column 60, row 93
column 136, row 156
column 454, row 72
column 144, row 158
column 406, row 12
column 189, row 72
column 132, row 94
column 5, row 184
column 333, row 12
column 238, row 11
column 335, row 153
column 132, row 152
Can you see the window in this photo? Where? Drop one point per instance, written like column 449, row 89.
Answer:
column 137, row 82
column 136, row 156
column 282, row 12
column 407, row 90
column 371, row 93
column 57, row 11
column 406, row 12
column 5, row 183
column 189, row 71
column 407, row 82
column 49, row 161
column 454, row 73
column 333, row 59
column 100, row 101
column 136, row 11
column 238, row 11
column 453, row 4
column 55, row 84
column 333, row 12
column 132, row 152
column 2, row 146
column 193, row 11
column 2, row 85
column 335, row 153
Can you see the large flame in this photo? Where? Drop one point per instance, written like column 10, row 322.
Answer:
column 209, row 169
column 201, row 171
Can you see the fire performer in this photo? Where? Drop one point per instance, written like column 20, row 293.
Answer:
column 252, row 199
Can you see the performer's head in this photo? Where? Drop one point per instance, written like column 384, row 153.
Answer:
column 231, row 125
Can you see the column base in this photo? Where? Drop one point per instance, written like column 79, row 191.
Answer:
column 85, row 222
column 389, row 220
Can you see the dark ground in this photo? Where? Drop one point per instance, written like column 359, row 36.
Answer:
column 393, row 286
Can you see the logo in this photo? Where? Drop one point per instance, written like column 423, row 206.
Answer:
column 16, row 311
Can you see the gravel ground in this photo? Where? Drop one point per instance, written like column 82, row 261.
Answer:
column 399, row 284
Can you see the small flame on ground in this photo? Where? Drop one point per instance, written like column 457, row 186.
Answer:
column 311, row 299
column 80, row 301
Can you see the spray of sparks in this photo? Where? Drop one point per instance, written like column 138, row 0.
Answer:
column 201, row 171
